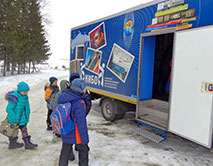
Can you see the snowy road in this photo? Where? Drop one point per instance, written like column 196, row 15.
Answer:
column 111, row 144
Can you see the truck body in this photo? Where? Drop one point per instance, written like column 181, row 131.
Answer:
column 155, row 59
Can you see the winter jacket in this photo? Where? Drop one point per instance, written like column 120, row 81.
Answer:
column 87, row 98
column 49, row 91
column 16, row 104
column 78, row 112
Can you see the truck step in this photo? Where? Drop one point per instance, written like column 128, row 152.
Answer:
column 150, row 135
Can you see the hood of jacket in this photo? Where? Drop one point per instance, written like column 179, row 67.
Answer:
column 11, row 97
column 14, row 96
column 64, row 84
column 68, row 96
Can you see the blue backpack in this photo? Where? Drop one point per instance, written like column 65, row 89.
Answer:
column 61, row 120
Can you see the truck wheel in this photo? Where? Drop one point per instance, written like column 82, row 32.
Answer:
column 109, row 110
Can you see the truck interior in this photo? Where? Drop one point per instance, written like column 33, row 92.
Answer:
column 162, row 67
column 156, row 63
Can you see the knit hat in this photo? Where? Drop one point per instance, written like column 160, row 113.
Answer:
column 78, row 85
column 23, row 87
column 74, row 76
column 52, row 79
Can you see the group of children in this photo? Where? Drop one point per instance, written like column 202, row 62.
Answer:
column 73, row 91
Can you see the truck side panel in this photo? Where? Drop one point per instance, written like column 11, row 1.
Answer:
column 111, row 47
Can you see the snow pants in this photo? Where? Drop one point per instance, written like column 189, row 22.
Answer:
column 66, row 150
column 48, row 117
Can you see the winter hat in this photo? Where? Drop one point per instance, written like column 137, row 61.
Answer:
column 78, row 85
column 74, row 76
column 23, row 87
column 52, row 79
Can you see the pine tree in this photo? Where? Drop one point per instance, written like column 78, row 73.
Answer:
column 22, row 35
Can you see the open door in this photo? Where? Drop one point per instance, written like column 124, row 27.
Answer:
column 153, row 74
column 191, row 109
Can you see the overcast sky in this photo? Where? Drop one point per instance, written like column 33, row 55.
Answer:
column 66, row 14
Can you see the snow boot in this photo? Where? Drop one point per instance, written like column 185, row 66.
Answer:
column 28, row 143
column 14, row 144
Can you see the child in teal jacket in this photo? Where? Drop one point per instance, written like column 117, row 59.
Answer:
column 18, row 106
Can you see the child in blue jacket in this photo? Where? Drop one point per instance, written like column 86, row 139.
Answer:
column 18, row 106
column 87, row 97
column 79, row 136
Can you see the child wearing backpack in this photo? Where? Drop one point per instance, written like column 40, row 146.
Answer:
column 49, row 91
column 64, row 84
column 87, row 98
column 79, row 135
column 18, row 108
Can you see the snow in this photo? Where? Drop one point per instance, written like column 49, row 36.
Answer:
column 111, row 143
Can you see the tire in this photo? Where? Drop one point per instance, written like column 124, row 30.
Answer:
column 109, row 110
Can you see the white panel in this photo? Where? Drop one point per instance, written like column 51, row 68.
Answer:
column 190, row 109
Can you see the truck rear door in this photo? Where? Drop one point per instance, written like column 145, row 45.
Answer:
column 191, row 108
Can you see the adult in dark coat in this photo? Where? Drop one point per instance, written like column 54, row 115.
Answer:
column 79, row 136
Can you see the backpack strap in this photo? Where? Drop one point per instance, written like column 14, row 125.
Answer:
column 71, row 112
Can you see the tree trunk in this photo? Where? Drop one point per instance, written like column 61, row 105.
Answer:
column 24, row 67
column 29, row 67
column 19, row 66
column 4, row 71
column 12, row 69
column 7, row 64
column 34, row 69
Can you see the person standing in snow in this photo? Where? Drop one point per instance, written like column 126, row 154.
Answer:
column 87, row 99
column 18, row 106
column 49, row 91
column 64, row 84
column 79, row 136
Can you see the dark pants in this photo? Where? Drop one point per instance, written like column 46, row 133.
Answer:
column 66, row 150
column 48, row 117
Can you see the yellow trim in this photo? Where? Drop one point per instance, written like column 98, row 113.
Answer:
column 184, row 26
column 128, row 101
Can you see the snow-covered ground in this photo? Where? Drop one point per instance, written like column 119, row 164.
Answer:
column 111, row 144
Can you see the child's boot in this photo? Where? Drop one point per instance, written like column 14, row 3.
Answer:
column 28, row 143
column 14, row 144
